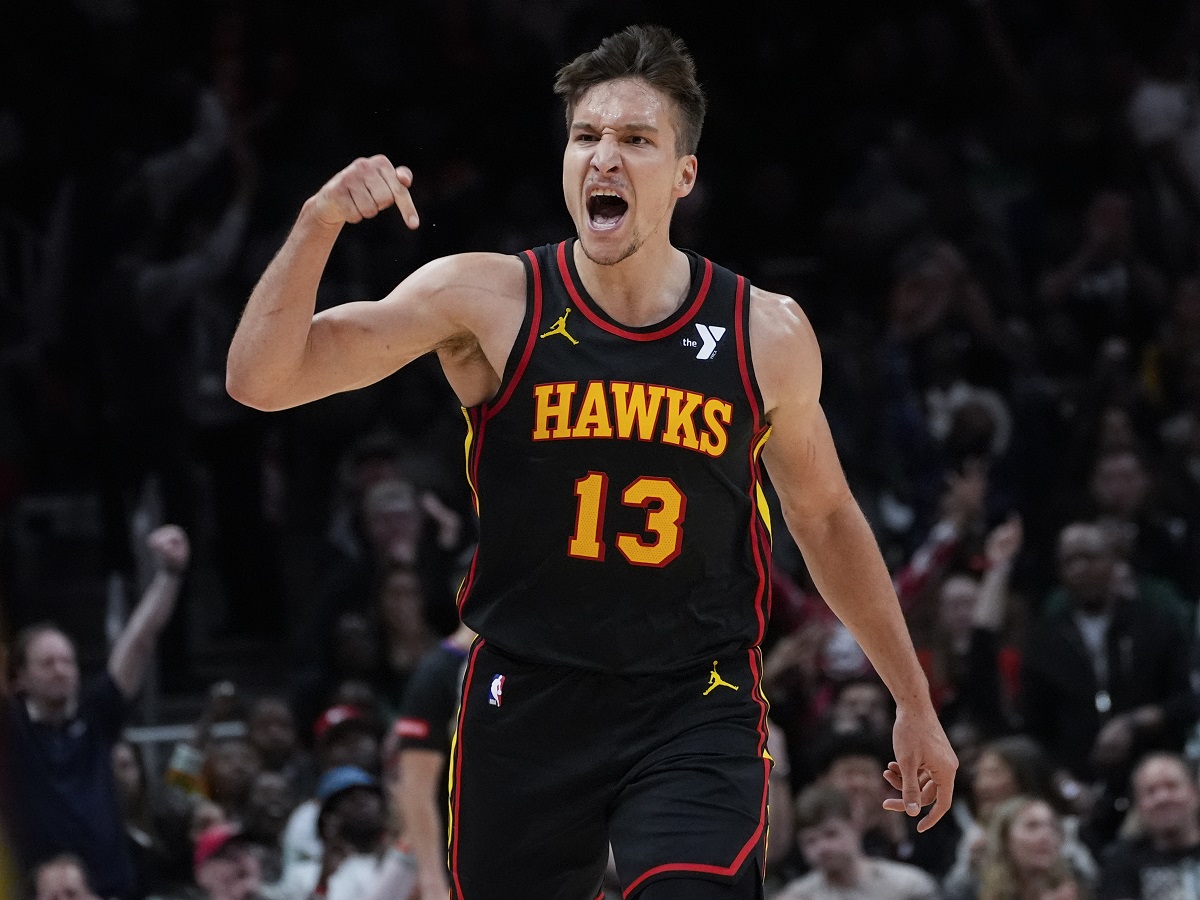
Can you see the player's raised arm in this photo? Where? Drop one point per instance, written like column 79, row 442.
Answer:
column 838, row 546
column 282, row 355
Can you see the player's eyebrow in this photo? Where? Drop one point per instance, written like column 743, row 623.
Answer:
column 582, row 125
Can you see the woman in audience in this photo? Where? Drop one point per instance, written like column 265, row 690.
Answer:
column 1025, row 859
column 1007, row 768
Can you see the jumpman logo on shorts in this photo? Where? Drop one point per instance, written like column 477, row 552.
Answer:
column 715, row 681
column 560, row 327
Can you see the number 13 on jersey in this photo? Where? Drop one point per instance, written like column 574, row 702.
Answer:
column 665, row 506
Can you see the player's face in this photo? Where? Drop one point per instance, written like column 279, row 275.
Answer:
column 621, row 173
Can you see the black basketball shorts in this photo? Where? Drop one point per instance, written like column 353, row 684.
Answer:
column 552, row 766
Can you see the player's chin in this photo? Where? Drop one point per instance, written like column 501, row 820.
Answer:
column 606, row 248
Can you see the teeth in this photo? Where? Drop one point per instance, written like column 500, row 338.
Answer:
column 604, row 193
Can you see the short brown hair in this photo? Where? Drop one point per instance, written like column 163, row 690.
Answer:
column 652, row 54
column 820, row 803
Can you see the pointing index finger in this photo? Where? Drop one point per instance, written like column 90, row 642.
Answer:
column 400, row 179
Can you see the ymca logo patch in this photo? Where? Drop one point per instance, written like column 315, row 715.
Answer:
column 497, row 691
column 710, row 335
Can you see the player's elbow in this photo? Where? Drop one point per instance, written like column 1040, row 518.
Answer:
column 245, row 392
column 249, row 388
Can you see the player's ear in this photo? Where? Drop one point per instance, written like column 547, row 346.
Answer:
column 685, row 178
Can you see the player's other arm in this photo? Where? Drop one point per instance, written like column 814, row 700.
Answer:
column 838, row 546
column 421, row 788
column 283, row 355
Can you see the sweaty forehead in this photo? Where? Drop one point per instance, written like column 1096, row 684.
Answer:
column 621, row 103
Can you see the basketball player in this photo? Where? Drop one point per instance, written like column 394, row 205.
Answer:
column 618, row 394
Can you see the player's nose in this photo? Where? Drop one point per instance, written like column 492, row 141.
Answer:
column 607, row 156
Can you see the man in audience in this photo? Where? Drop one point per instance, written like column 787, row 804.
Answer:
column 61, row 737
column 832, row 845
column 1105, row 679
column 1164, row 861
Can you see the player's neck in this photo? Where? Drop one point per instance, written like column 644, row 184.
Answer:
column 642, row 289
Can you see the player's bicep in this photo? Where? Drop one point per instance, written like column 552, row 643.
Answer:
column 799, row 455
column 445, row 301
column 803, row 464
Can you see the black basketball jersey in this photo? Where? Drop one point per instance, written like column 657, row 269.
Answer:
column 616, row 476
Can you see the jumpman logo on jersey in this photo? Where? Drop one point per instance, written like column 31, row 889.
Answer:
column 715, row 681
column 560, row 327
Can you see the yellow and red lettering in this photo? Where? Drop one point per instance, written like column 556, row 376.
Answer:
column 553, row 402
column 681, row 406
column 717, row 414
column 593, row 418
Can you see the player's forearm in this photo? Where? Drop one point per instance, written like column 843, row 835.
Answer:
column 423, row 833
column 132, row 651
column 268, row 349
column 848, row 570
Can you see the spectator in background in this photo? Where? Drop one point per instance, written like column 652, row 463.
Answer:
column 230, row 767
column 851, row 763
column 271, row 731
column 351, row 822
column 146, row 847
column 1163, row 860
column 1159, row 542
column 831, row 843
column 1024, row 857
column 226, row 867
column 972, row 677
column 1106, row 286
column 392, row 520
column 62, row 878
column 59, row 770
column 1008, row 767
column 406, row 634
column 1106, row 679
column 345, row 736
column 267, row 810
column 424, row 732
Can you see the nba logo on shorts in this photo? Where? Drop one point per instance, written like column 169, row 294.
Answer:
column 497, row 690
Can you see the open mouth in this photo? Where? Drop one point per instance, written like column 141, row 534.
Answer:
column 606, row 210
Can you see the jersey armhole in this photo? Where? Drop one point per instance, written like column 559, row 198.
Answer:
column 745, row 357
column 522, row 348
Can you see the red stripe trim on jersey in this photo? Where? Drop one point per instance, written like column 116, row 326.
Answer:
column 600, row 322
column 733, row 867
column 759, row 697
column 490, row 410
column 761, row 557
column 477, row 421
column 458, row 751
column 743, row 349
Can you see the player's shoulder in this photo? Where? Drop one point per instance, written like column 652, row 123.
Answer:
column 782, row 342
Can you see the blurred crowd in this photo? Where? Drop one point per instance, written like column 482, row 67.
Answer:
column 990, row 210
